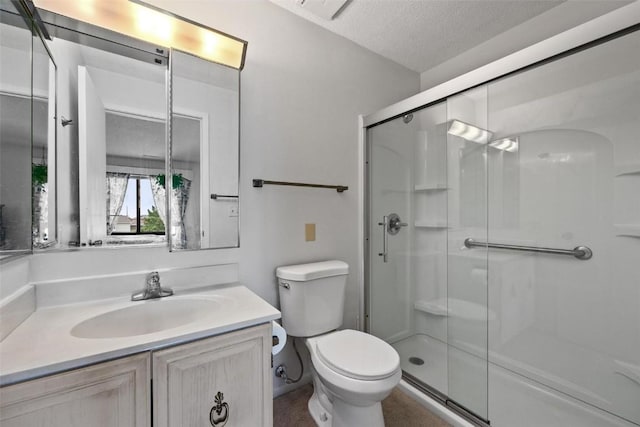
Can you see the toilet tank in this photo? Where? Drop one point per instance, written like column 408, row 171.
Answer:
column 312, row 297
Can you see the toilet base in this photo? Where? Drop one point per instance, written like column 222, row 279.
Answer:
column 342, row 414
column 320, row 415
column 346, row 415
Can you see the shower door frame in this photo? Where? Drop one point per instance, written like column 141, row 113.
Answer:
column 621, row 21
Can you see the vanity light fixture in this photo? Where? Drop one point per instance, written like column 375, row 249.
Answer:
column 143, row 21
column 469, row 132
column 506, row 144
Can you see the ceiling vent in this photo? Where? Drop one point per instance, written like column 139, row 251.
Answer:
column 325, row 9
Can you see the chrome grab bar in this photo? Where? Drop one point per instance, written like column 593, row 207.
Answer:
column 384, row 223
column 581, row 252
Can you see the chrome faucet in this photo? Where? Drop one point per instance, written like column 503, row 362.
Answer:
column 152, row 289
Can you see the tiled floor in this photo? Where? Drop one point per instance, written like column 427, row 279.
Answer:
column 290, row 410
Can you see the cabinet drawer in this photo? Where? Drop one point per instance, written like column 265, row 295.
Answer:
column 224, row 380
column 110, row 394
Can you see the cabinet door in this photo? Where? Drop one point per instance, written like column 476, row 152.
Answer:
column 111, row 394
column 224, row 380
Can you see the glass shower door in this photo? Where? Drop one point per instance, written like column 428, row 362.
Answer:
column 467, row 290
column 389, row 291
column 408, row 302
column 564, row 172
column 482, row 281
column 427, row 292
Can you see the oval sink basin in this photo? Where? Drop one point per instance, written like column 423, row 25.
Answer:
column 145, row 318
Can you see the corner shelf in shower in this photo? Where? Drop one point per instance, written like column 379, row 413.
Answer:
column 430, row 187
column 454, row 307
column 437, row 307
column 628, row 169
column 627, row 230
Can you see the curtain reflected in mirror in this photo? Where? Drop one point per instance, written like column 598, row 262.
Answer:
column 179, row 201
column 117, row 183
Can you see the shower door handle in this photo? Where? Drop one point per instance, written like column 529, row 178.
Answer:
column 384, row 224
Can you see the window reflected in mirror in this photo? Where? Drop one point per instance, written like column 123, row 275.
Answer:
column 135, row 202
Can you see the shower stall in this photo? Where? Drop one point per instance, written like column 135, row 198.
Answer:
column 502, row 236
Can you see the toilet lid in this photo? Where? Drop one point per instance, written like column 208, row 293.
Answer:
column 358, row 355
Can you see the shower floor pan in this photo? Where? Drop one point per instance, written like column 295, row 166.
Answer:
column 514, row 399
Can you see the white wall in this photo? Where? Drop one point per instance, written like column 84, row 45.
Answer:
column 67, row 61
column 302, row 91
column 93, row 159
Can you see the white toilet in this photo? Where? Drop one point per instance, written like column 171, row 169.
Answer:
column 352, row 371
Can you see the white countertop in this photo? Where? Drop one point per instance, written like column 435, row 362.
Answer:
column 43, row 344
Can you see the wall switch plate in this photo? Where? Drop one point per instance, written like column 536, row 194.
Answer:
column 309, row 232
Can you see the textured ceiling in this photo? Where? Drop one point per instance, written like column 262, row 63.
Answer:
column 421, row 34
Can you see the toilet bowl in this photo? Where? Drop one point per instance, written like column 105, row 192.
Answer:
column 352, row 371
column 356, row 371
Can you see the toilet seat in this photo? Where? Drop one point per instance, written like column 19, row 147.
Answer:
column 357, row 355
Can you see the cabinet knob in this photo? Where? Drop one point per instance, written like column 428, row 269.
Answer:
column 219, row 414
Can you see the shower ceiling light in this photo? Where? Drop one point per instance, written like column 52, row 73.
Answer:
column 506, row 144
column 140, row 20
column 469, row 132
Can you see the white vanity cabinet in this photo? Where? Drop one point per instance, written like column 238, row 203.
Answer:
column 217, row 381
column 110, row 394
column 224, row 380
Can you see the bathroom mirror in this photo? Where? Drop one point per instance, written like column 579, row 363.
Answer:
column 114, row 136
column 204, row 153
column 113, row 118
column 15, row 133
column 27, row 136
